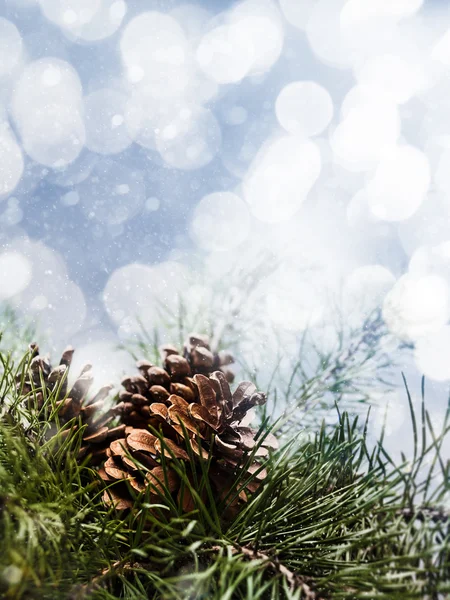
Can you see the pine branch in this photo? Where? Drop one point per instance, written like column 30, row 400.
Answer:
column 295, row 581
column 334, row 519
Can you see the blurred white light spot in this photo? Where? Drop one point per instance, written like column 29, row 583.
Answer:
column 10, row 47
column 117, row 120
column 170, row 132
column 69, row 17
column 297, row 12
column 11, row 161
column 51, row 76
column 56, row 137
column 67, row 13
column 364, row 290
column 416, row 306
column 432, row 259
column 185, row 113
column 152, row 204
column 138, row 291
column 442, row 173
column 154, row 48
column 48, row 80
column 400, row 184
column 122, row 189
column 370, row 125
column 189, row 143
column 441, row 50
column 110, row 364
column 394, row 75
column 292, row 302
column 221, row 221
column 259, row 22
column 118, row 10
column 432, row 354
column 70, row 199
column 356, row 12
column 135, row 73
column 304, row 108
column 87, row 20
column 47, row 109
column 15, row 274
column 390, row 411
column 106, row 132
column 280, row 177
column 225, row 54
column 143, row 116
column 324, row 33
column 39, row 303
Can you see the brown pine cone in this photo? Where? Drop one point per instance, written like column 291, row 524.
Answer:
column 213, row 423
column 41, row 379
column 155, row 384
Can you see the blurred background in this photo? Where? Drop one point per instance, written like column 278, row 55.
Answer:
column 276, row 173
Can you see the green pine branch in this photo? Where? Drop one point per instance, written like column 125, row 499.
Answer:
column 336, row 518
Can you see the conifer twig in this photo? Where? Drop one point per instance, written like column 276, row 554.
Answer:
column 119, row 566
column 294, row 580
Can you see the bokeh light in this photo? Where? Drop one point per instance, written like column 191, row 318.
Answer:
column 11, row 47
column 417, row 306
column 400, row 183
column 431, row 354
column 304, row 108
column 47, row 109
column 11, row 160
column 221, row 221
column 280, row 178
column 17, row 270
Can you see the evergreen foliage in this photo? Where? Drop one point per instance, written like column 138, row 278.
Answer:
column 335, row 518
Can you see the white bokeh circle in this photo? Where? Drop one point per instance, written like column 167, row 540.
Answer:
column 15, row 273
column 432, row 353
column 189, row 139
column 11, row 161
column 400, row 184
column 280, row 178
column 365, row 289
column 137, row 293
column 221, row 221
column 417, row 306
column 11, row 47
column 304, row 108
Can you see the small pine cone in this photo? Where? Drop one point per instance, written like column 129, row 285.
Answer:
column 146, row 394
column 203, row 360
column 41, row 379
column 214, row 425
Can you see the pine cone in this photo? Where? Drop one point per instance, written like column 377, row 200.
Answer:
column 213, row 422
column 155, row 384
column 74, row 403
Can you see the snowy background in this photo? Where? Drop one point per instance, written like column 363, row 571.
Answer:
column 151, row 149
